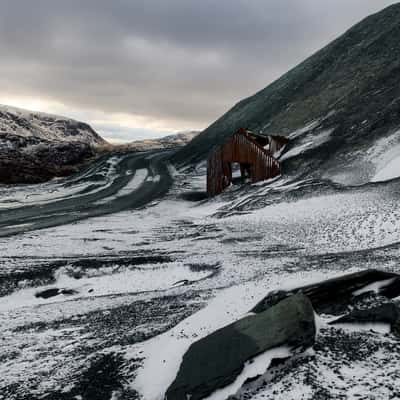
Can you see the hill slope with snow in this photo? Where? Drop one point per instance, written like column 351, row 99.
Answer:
column 340, row 107
column 166, row 142
column 35, row 147
column 34, row 126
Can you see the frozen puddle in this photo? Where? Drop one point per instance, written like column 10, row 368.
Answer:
column 149, row 278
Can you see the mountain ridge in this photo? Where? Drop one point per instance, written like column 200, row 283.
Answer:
column 165, row 142
column 44, row 126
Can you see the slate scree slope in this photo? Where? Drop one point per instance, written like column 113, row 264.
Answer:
column 335, row 106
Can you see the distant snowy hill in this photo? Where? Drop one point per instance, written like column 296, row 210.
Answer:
column 167, row 142
column 36, row 126
column 35, row 147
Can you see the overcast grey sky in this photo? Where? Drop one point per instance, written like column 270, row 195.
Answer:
column 142, row 68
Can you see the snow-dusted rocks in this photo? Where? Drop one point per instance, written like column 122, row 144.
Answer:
column 238, row 358
column 333, row 296
column 217, row 360
column 363, row 337
column 387, row 313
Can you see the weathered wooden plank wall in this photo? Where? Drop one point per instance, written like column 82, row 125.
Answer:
column 243, row 149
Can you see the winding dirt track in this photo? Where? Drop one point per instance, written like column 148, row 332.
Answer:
column 112, row 184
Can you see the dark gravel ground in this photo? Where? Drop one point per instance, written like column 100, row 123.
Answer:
column 95, row 367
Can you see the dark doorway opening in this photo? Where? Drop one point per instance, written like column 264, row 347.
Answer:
column 241, row 173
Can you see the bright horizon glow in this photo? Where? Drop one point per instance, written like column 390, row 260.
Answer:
column 113, row 127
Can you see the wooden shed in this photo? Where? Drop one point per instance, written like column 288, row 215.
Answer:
column 246, row 151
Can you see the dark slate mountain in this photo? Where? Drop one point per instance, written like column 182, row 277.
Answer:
column 340, row 107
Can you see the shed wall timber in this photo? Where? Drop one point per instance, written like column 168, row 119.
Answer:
column 242, row 149
column 276, row 143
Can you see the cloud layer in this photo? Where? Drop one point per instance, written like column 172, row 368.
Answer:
column 158, row 65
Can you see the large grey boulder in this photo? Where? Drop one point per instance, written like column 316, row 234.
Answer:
column 215, row 361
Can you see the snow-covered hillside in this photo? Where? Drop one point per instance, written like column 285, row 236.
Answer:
column 166, row 142
column 35, row 147
column 337, row 107
column 45, row 127
column 308, row 156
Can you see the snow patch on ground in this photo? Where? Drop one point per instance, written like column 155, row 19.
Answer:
column 354, row 327
column 385, row 154
column 373, row 287
column 390, row 171
column 144, row 279
column 252, row 369
column 299, row 132
column 137, row 180
column 307, row 143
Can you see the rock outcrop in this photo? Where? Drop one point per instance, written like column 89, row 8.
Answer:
column 387, row 313
column 216, row 360
column 43, row 162
column 333, row 296
column 286, row 318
